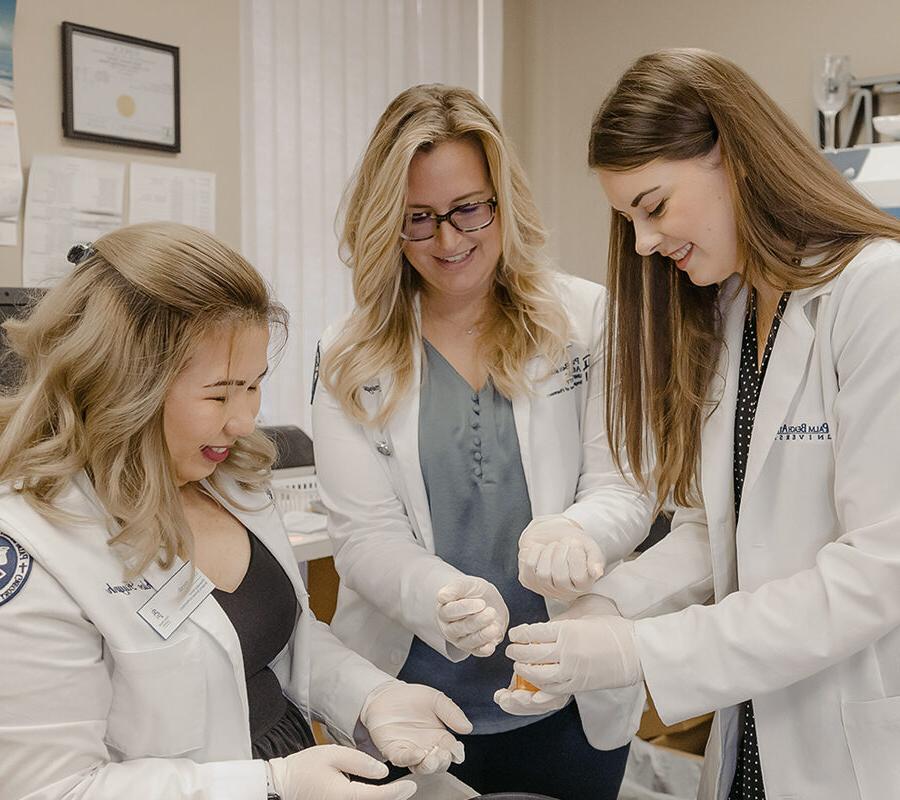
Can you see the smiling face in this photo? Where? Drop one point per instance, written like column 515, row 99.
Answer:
column 214, row 400
column 452, row 264
column 682, row 210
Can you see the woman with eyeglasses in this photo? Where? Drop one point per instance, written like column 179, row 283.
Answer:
column 459, row 416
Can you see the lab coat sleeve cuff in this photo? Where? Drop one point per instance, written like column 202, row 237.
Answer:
column 236, row 780
column 617, row 527
column 421, row 608
column 611, row 717
column 344, row 725
column 674, row 700
column 361, row 739
column 230, row 780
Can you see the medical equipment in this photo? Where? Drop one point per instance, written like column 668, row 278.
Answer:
column 874, row 170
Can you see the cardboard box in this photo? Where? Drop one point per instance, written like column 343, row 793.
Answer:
column 688, row 736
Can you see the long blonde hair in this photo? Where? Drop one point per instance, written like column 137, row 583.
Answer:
column 380, row 334
column 99, row 352
column 664, row 336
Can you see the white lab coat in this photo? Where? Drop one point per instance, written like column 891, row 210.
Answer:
column 94, row 704
column 808, row 589
column 371, row 481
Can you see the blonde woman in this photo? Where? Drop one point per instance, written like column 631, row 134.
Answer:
column 755, row 334
column 157, row 638
column 459, row 412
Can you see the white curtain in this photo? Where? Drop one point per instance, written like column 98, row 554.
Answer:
column 316, row 75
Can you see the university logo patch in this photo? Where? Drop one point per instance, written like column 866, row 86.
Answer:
column 15, row 567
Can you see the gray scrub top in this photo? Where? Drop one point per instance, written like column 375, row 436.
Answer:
column 472, row 468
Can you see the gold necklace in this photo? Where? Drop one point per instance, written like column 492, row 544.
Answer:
column 432, row 313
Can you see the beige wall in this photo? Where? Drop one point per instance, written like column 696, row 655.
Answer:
column 562, row 56
column 207, row 31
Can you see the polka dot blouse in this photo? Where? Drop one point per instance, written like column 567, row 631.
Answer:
column 748, row 780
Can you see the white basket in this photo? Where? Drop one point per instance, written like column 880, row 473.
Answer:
column 295, row 489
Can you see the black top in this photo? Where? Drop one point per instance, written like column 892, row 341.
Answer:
column 263, row 610
column 748, row 782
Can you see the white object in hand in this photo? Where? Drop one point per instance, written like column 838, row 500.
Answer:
column 558, row 559
column 408, row 723
column 472, row 615
column 576, row 655
column 317, row 773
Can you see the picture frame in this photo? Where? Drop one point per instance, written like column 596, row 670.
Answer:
column 120, row 89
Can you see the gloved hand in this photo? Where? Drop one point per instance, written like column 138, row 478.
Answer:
column 317, row 774
column 576, row 655
column 472, row 615
column 523, row 703
column 558, row 559
column 406, row 722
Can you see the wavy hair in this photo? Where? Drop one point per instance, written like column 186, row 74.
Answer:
column 798, row 223
column 98, row 354
column 381, row 332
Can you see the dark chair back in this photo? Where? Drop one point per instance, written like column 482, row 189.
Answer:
column 295, row 448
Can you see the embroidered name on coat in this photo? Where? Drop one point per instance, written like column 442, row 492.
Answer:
column 805, row 431
column 577, row 369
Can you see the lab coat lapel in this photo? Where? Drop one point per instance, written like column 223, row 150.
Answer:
column 209, row 615
column 264, row 520
column 716, row 468
column 786, row 370
column 521, row 405
column 403, row 428
column 211, row 618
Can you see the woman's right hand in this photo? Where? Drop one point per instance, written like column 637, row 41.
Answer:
column 472, row 615
column 317, row 773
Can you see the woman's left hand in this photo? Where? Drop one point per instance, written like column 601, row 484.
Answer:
column 576, row 655
column 408, row 723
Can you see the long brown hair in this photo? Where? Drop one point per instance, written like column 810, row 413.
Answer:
column 380, row 333
column 99, row 353
column 664, row 336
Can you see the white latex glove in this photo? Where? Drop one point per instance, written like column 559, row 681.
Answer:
column 472, row 615
column 558, row 559
column 576, row 655
column 317, row 773
column 523, row 703
column 406, row 721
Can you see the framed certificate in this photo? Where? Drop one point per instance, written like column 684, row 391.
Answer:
column 120, row 90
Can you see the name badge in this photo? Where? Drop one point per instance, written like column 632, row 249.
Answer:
column 180, row 590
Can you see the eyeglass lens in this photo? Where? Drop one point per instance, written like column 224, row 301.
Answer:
column 466, row 218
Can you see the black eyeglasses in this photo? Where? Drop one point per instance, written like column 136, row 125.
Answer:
column 421, row 225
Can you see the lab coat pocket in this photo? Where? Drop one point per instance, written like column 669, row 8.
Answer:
column 159, row 700
column 873, row 734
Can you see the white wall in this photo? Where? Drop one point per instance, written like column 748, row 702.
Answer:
column 561, row 57
column 207, row 33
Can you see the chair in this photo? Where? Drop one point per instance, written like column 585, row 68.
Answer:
column 295, row 448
